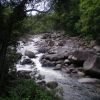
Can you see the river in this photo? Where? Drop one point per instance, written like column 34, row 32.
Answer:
column 71, row 88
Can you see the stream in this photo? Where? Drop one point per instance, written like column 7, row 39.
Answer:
column 71, row 88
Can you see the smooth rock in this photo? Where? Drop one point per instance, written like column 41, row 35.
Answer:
column 89, row 80
column 97, row 48
column 81, row 73
column 71, row 66
column 82, row 55
column 55, row 57
column 92, row 65
column 59, row 62
column 26, row 61
column 52, row 84
column 30, row 54
column 59, row 65
column 43, row 50
column 47, row 63
column 66, row 61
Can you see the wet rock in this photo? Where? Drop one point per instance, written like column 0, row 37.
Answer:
column 46, row 35
column 78, row 57
column 30, row 54
column 71, row 66
column 58, row 67
column 81, row 74
column 89, row 80
column 82, row 55
column 97, row 48
column 47, row 63
column 55, row 57
column 66, row 61
column 66, row 65
column 40, row 77
column 61, row 43
column 74, row 71
column 50, row 43
column 43, row 49
column 26, row 61
column 68, row 71
column 92, row 66
column 52, row 84
column 24, row 74
column 59, row 62
column 41, row 83
column 71, row 70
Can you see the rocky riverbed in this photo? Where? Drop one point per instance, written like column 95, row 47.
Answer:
column 67, row 64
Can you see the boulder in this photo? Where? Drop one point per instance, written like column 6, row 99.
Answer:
column 30, row 54
column 26, row 61
column 97, row 48
column 58, row 67
column 82, row 55
column 43, row 49
column 81, row 74
column 47, row 63
column 92, row 66
column 67, row 61
column 89, row 80
column 55, row 57
column 52, row 84
column 78, row 57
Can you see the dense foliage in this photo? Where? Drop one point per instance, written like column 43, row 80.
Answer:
column 27, row 89
column 89, row 22
column 79, row 17
column 39, row 23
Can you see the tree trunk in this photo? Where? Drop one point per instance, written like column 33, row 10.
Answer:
column 3, row 68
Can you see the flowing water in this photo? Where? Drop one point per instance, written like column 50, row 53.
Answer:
column 72, row 89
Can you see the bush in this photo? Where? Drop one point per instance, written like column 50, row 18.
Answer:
column 28, row 90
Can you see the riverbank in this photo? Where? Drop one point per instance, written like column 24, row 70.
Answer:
column 58, row 63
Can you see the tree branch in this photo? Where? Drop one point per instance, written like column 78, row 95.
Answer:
column 38, row 10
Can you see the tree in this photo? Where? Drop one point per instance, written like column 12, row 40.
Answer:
column 12, row 12
column 67, row 15
column 89, row 23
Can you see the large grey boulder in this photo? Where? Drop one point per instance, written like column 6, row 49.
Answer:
column 55, row 57
column 78, row 57
column 30, row 54
column 82, row 55
column 92, row 65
